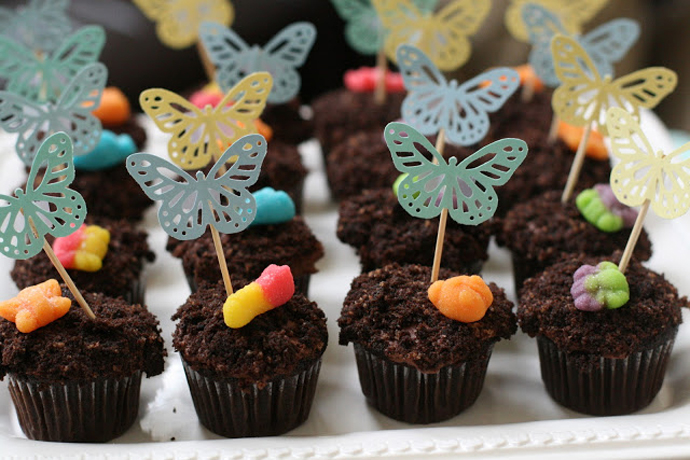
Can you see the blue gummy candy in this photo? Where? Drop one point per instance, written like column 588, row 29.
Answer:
column 110, row 151
column 273, row 207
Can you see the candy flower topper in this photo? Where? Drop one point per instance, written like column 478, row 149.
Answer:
column 461, row 110
column 605, row 45
column 464, row 190
column 281, row 56
column 71, row 113
column 36, row 306
column 571, row 13
column 43, row 78
column 47, row 206
column 178, row 21
column 199, row 135
column 583, row 97
column 645, row 177
column 219, row 200
column 40, row 25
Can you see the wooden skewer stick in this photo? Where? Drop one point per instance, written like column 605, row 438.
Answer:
column 382, row 67
column 634, row 235
column 221, row 260
column 441, row 235
column 577, row 165
column 553, row 130
column 527, row 90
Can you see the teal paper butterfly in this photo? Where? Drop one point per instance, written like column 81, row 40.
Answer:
column 605, row 45
column 281, row 56
column 50, row 205
column 462, row 110
column 465, row 189
column 189, row 205
column 364, row 31
column 43, row 78
column 39, row 26
column 71, row 113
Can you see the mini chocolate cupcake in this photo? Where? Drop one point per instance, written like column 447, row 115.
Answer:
column 77, row 379
column 290, row 122
column 247, row 253
column 606, row 362
column 542, row 231
column 256, row 380
column 382, row 232
column 282, row 169
column 121, row 271
column 416, row 364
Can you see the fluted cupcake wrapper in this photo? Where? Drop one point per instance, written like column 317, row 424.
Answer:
column 301, row 284
column 93, row 411
column 406, row 394
column 232, row 410
column 607, row 386
column 136, row 296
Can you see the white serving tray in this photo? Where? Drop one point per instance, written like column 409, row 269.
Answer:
column 513, row 417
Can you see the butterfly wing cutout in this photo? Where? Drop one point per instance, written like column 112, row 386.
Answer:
column 432, row 103
column 40, row 25
column 47, row 207
column 583, row 96
column 178, row 21
column 610, row 42
column 227, row 51
column 363, row 29
column 198, row 136
column 644, row 174
column 572, row 13
column 541, row 26
column 20, row 67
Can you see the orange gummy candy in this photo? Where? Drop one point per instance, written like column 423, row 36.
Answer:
column 571, row 135
column 527, row 75
column 114, row 108
column 463, row 298
column 36, row 306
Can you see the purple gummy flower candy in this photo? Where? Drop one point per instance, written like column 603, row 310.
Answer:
column 583, row 299
column 628, row 214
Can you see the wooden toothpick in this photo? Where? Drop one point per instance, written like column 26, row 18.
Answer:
column 577, row 164
column 634, row 235
column 382, row 67
column 440, row 236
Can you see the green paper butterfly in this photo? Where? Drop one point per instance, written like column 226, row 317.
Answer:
column 50, row 205
column 465, row 189
column 71, row 113
column 40, row 25
column 44, row 78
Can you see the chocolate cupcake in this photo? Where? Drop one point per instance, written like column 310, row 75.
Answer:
column 257, row 380
column 119, row 276
column 291, row 123
column 382, row 232
column 247, row 253
column 416, row 364
column 77, row 379
column 542, row 231
column 606, row 362
column 282, row 169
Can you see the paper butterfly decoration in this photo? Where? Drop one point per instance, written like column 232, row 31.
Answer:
column 71, row 113
column 201, row 134
column 572, row 14
column 280, row 57
column 178, row 21
column 645, row 174
column 461, row 110
column 584, row 96
column 40, row 25
column 221, row 200
column 363, row 30
column 29, row 75
column 442, row 35
column 50, row 205
column 605, row 45
column 465, row 189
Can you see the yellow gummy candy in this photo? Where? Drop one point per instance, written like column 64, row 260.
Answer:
column 96, row 240
column 244, row 305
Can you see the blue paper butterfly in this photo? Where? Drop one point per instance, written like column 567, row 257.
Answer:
column 71, row 113
column 189, row 205
column 49, row 205
column 465, row 189
column 40, row 25
column 460, row 109
column 281, row 56
column 605, row 45
column 30, row 75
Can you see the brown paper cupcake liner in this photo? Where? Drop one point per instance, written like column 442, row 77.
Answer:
column 406, row 394
column 136, row 295
column 93, row 411
column 523, row 269
column 301, row 284
column 232, row 410
column 604, row 386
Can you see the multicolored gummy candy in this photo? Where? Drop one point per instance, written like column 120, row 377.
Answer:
column 365, row 79
column 462, row 298
column 602, row 209
column 603, row 286
column 84, row 249
column 36, row 306
column 272, row 289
